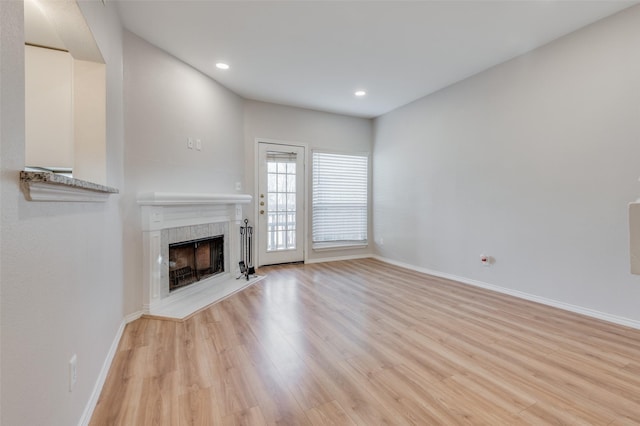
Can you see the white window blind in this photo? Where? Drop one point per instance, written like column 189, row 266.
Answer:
column 339, row 198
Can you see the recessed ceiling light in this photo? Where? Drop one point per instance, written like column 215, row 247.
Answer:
column 360, row 93
column 222, row 66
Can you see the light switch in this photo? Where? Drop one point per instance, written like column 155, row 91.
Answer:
column 189, row 143
column 199, row 144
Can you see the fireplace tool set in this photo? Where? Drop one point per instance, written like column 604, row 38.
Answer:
column 246, row 263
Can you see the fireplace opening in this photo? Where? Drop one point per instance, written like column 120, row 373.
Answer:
column 192, row 261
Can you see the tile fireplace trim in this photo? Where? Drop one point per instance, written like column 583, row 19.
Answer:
column 170, row 236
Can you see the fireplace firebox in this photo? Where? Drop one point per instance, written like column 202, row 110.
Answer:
column 192, row 261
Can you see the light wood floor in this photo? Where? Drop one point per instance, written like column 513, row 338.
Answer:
column 366, row 343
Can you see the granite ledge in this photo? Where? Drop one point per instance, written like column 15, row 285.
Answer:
column 48, row 186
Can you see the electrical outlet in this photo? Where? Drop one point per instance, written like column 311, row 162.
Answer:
column 238, row 186
column 73, row 372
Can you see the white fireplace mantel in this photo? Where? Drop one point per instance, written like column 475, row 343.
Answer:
column 174, row 199
column 166, row 210
column 161, row 210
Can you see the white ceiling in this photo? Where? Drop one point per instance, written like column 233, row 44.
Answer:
column 315, row 54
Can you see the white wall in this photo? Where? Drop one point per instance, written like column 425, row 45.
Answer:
column 10, row 94
column 61, row 277
column 48, row 108
column 532, row 162
column 89, row 121
column 166, row 102
column 319, row 130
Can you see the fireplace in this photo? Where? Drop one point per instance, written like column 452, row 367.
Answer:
column 192, row 261
column 190, row 243
column 192, row 254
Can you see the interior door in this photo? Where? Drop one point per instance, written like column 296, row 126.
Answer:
column 280, row 203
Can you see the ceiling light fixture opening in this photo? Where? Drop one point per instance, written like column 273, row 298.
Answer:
column 222, row 66
column 360, row 93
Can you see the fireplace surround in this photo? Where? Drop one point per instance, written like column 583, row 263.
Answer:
column 175, row 219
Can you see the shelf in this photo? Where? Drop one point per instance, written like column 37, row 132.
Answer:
column 48, row 186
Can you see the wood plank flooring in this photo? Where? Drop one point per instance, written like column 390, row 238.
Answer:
column 366, row 343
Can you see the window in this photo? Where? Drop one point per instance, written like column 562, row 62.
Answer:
column 339, row 202
column 281, row 201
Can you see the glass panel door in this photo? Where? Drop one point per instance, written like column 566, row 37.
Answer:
column 280, row 200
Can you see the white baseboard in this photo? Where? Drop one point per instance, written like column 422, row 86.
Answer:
column 522, row 295
column 102, row 377
column 338, row 258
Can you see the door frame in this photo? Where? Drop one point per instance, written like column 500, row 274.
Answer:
column 256, row 192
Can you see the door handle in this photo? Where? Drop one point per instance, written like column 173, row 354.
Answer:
column 261, row 211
